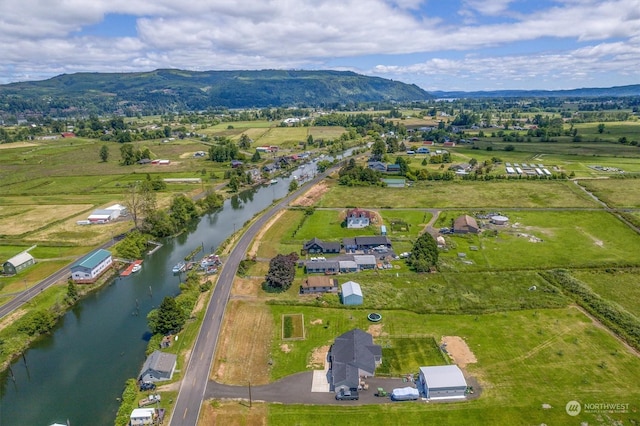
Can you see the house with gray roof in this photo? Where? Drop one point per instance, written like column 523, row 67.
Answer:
column 322, row 266
column 157, row 367
column 353, row 355
column 365, row 261
column 365, row 243
column 316, row 245
column 465, row 224
column 92, row 266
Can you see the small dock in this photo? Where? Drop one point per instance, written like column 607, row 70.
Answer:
column 129, row 268
column 156, row 245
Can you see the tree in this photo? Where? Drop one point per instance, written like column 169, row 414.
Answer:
column 168, row 318
column 140, row 201
column 104, row 153
column 72, row 291
column 293, row 185
column 127, row 154
column 182, row 211
column 234, row 183
column 282, row 271
column 601, row 128
column 378, row 149
column 245, row 142
column 255, row 157
column 424, row 254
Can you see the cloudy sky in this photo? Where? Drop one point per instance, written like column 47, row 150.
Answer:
column 436, row 44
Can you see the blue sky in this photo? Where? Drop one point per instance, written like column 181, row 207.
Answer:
column 435, row 44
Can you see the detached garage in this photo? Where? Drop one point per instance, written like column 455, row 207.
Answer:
column 17, row 263
column 442, row 382
column 351, row 293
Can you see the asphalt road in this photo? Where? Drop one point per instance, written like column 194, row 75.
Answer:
column 196, row 375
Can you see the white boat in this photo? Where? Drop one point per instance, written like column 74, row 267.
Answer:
column 274, row 181
column 136, row 267
column 179, row 267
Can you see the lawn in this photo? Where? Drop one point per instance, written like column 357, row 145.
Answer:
column 459, row 194
column 524, row 359
column 618, row 285
column 549, row 239
column 408, row 355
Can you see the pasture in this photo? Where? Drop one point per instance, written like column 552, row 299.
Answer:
column 618, row 285
column 617, row 193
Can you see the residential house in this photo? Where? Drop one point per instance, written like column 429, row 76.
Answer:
column 465, row 224
column 377, row 165
column 359, row 218
column 347, row 266
column 365, row 261
column 319, row 284
column 143, row 416
column 423, row 150
column 316, row 245
column 92, row 266
column 322, row 266
column 353, row 355
column 236, row 163
column 365, row 243
column 393, row 168
column 157, row 367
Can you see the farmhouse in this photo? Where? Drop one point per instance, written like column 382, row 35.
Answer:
column 352, row 355
column 316, row 245
column 393, row 168
column 89, row 268
column 423, row 150
column 351, row 293
column 157, row 367
column 359, row 218
column 17, row 263
column 365, row 243
column 322, row 266
column 442, row 382
column 319, row 284
column 465, row 224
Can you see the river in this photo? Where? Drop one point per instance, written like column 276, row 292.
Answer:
column 77, row 373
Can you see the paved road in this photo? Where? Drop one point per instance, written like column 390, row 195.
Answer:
column 196, row 375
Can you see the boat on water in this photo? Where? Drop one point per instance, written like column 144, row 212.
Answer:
column 179, row 267
column 210, row 260
column 136, row 267
column 273, row 181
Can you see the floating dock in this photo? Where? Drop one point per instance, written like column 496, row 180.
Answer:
column 129, row 268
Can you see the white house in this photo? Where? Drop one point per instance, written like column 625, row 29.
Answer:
column 142, row 416
column 89, row 268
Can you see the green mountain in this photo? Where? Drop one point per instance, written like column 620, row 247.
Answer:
column 170, row 89
column 594, row 92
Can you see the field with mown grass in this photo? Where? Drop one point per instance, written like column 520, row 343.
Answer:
column 621, row 286
column 459, row 194
column 617, row 193
column 524, row 359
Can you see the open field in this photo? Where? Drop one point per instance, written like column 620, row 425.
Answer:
column 525, row 359
column 617, row 193
column 567, row 239
column 36, row 217
column 408, row 354
column 458, row 194
column 618, row 285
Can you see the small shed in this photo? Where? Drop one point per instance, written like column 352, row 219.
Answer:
column 17, row 263
column 442, row 382
column 158, row 366
column 351, row 293
column 383, row 230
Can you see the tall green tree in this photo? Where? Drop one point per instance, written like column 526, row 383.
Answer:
column 104, row 153
column 127, row 154
column 168, row 318
column 282, row 271
column 378, row 149
column 424, row 254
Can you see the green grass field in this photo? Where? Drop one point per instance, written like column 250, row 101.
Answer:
column 618, row 193
column 618, row 285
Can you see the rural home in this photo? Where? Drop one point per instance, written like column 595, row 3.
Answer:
column 393, row 168
column 322, row 266
column 347, row 266
column 377, row 165
column 365, row 261
column 359, row 218
column 17, row 263
column 316, row 245
column 319, row 284
column 352, row 356
column 423, row 150
column 89, row 268
column 236, row 163
column 158, row 366
column 351, row 293
column 365, row 243
column 143, row 416
column 442, row 382
column 465, row 224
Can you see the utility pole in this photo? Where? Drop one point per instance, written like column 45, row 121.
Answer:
column 249, row 393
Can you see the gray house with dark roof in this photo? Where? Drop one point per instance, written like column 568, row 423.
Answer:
column 316, row 245
column 352, row 355
column 158, row 366
column 322, row 266
column 365, row 242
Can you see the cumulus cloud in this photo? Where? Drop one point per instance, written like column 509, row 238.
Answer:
column 244, row 34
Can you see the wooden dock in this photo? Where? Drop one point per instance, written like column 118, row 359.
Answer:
column 129, row 268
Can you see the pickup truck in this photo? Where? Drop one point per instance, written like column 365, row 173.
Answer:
column 345, row 395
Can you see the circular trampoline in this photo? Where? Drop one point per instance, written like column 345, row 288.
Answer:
column 374, row 317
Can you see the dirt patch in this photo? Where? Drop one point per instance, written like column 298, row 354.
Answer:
column 258, row 239
column 10, row 319
column 310, row 197
column 376, row 330
column 17, row 145
column 318, row 358
column 316, row 322
column 246, row 286
column 285, row 348
column 244, row 344
column 457, row 349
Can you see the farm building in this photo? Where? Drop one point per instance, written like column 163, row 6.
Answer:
column 352, row 355
column 319, row 284
column 322, row 266
column 316, row 245
column 499, row 220
column 442, row 382
column 393, row 168
column 465, row 224
column 17, row 263
column 351, row 293
column 365, row 243
column 103, row 215
column 359, row 218
column 394, row 183
column 157, row 367
column 89, row 268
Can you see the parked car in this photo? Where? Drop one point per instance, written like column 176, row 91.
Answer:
column 345, row 395
column 147, row 386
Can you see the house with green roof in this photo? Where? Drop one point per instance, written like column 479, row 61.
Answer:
column 92, row 266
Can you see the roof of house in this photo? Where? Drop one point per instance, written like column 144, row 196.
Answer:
column 443, row 376
column 348, row 264
column 367, row 240
column 393, row 167
column 93, row 259
column 101, row 212
column 159, row 361
column 319, row 281
column 465, row 220
column 351, row 288
column 138, row 413
column 351, row 352
column 364, row 259
column 20, row 258
column 322, row 264
column 359, row 213
column 324, row 244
